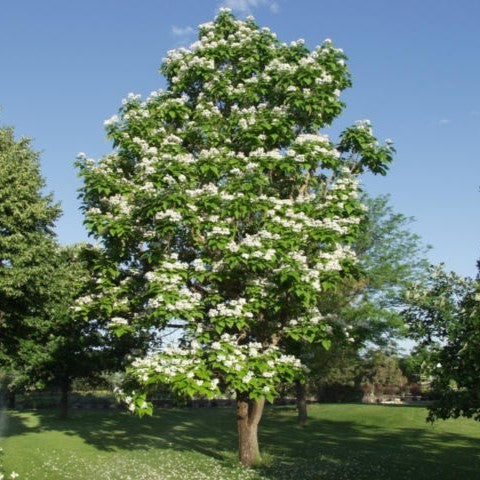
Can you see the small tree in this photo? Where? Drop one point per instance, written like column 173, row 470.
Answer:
column 382, row 374
column 223, row 212
column 444, row 315
column 415, row 365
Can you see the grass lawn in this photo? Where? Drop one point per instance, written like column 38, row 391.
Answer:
column 342, row 441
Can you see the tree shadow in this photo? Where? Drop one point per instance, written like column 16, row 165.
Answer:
column 325, row 449
column 206, row 431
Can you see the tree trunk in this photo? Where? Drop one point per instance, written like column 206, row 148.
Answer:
column 10, row 398
column 64, row 391
column 301, row 392
column 249, row 413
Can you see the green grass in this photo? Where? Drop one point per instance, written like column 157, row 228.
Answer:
column 341, row 442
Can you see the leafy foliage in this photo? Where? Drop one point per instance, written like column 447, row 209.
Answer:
column 391, row 258
column 27, row 242
column 444, row 315
column 64, row 346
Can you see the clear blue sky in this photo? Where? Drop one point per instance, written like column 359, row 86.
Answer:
column 65, row 66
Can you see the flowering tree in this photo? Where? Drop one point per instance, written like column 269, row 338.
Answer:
column 223, row 212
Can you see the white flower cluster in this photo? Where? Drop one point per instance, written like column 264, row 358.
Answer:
column 175, row 364
column 118, row 321
column 170, row 214
column 81, row 302
column 247, row 365
column 218, row 231
column 312, row 138
column 331, row 261
column 364, row 124
column 230, row 308
column 168, row 276
column 121, row 203
column 113, row 120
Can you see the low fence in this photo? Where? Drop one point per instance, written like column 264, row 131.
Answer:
column 105, row 400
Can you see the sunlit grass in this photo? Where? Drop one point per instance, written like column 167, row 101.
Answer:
column 340, row 442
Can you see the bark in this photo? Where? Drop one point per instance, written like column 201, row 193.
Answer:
column 249, row 413
column 301, row 393
column 64, row 393
column 10, row 398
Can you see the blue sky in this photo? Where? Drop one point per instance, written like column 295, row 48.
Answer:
column 65, row 66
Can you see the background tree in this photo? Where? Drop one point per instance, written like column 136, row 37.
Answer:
column 63, row 346
column 42, row 343
column 337, row 373
column 382, row 374
column 364, row 311
column 223, row 212
column 444, row 315
column 27, row 242
column 416, row 367
column 391, row 257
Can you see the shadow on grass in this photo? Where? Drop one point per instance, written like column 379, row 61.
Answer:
column 327, row 448
column 205, row 431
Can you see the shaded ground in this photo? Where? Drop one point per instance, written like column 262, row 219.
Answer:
column 340, row 442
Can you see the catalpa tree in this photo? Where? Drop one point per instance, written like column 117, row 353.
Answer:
column 223, row 212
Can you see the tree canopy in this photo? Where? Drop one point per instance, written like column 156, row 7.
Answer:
column 444, row 315
column 27, row 242
column 391, row 257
